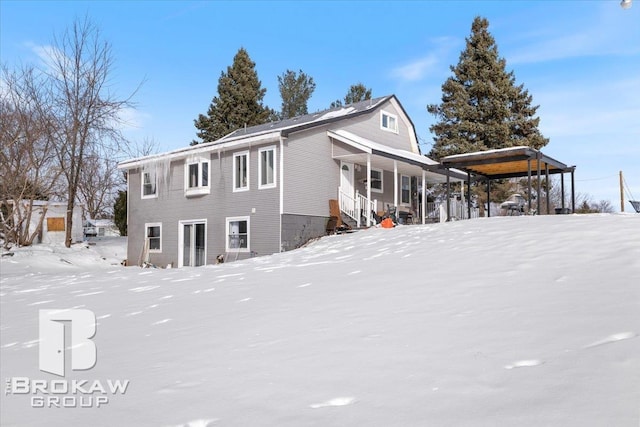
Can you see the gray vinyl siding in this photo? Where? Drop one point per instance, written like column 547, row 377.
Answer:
column 311, row 175
column 172, row 206
column 368, row 126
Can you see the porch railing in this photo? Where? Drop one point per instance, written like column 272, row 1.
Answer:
column 357, row 207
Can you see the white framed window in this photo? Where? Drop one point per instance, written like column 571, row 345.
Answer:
column 377, row 182
column 153, row 236
column 405, row 190
column 196, row 176
column 238, row 234
column 241, row 171
column 149, row 187
column 389, row 122
column 267, row 167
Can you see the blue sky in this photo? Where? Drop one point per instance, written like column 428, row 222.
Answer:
column 580, row 60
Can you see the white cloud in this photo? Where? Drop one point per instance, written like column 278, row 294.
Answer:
column 416, row 70
column 609, row 32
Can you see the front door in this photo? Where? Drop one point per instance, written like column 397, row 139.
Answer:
column 347, row 178
column 193, row 245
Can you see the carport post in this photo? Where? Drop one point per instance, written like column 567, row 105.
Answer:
column 448, row 196
column 488, row 198
column 529, row 182
column 468, row 195
column 546, row 173
column 368, row 191
column 538, row 186
column 573, row 192
column 562, row 190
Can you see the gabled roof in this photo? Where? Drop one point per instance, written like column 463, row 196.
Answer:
column 307, row 121
column 269, row 132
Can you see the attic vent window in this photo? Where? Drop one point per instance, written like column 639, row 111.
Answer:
column 388, row 122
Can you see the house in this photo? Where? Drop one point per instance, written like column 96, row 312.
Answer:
column 100, row 228
column 53, row 230
column 266, row 188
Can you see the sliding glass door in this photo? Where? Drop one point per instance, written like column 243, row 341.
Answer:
column 193, row 246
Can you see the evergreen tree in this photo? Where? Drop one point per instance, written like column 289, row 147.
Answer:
column 120, row 212
column 295, row 91
column 482, row 108
column 358, row 92
column 238, row 104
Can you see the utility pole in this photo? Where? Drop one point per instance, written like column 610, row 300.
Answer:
column 621, row 193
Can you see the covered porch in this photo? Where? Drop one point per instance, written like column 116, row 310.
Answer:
column 375, row 178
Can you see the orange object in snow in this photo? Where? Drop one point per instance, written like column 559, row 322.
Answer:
column 386, row 223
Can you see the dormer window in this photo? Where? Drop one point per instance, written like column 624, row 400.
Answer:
column 388, row 122
column 196, row 179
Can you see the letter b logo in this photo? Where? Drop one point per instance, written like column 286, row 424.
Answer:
column 52, row 328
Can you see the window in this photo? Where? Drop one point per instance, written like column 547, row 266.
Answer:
column 154, row 237
column 266, row 167
column 238, row 234
column 405, row 187
column 149, row 184
column 241, row 171
column 197, row 177
column 376, row 181
column 388, row 122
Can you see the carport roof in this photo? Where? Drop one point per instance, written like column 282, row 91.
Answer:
column 510, row 162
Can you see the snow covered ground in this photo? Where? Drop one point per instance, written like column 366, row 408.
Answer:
column 509, row 321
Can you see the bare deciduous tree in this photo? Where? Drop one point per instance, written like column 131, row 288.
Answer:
column 27, row 163
column 87, row 113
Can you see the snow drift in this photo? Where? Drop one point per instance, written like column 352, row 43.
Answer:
column 499, row 321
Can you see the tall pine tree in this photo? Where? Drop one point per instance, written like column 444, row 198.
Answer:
column 295, row 91
column 238, row 104
column 482, row 108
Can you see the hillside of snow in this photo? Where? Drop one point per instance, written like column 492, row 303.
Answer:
column 504, row 321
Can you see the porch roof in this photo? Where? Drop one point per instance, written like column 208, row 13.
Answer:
column 509, row 162
column 383, row 157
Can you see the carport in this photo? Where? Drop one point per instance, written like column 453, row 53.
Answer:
column 513, row 162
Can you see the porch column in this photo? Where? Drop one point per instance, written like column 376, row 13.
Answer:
column 369, row 189
column 424, row 197
column 395, row 184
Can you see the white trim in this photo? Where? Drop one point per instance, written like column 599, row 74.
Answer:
column 199, row 189
column 274, row 184
column 248, row 161
column 226, row 236
column 146, row 236
column 402, row 203
column 200, row 149
column 389, row 116
column 281, row 169
column 370, row 181
column 181, row 224
column 154, row 195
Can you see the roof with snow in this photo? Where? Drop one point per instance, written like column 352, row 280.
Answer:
column 311, row 120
